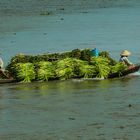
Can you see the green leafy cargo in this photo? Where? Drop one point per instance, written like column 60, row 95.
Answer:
column 102, row 66
column 24, row 72
column 65, row 69
column 74, row 68
column 45, row 71
column 76, row 53
column 87, row 71
column 119, row 67
column 74, row 64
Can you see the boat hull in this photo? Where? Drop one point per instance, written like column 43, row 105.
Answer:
column 125, row 72
column 112, row 75
column 3, row 81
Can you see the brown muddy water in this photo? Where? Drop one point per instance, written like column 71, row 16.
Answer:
column 73, row 109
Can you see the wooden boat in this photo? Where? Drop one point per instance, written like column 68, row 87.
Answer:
column 130, row 70
column 5, row 77
column 3, row 81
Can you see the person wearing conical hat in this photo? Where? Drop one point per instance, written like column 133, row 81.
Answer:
column 124, row 58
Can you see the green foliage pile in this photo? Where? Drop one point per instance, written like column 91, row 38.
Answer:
column 87, row 71
column 119, row 67
column 65, row 68
column 76, row 53
column 45, row 70
column 75, row 64
column 74, row 68
column 106, row 55
column 24, row 72
column 102, row 67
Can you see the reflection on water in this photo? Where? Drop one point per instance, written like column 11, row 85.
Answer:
column 72, row 109
column 61, row 87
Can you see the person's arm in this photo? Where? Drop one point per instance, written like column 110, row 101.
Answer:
column 127, row 61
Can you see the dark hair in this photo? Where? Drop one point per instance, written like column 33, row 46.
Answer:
column 124, row 56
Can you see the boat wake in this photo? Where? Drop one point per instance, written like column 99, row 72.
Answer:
column 135, row 74
column 87, row 79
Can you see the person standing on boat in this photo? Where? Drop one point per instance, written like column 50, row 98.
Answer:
column 124, row 58
column 3, row 72
column 1, row 63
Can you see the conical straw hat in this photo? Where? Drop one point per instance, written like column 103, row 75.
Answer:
column 125, row 53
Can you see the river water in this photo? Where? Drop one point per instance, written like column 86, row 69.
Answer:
column 73, row 109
